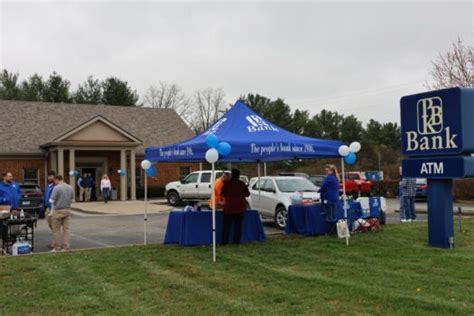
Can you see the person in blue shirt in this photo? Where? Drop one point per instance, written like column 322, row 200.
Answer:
column 330, row 192
column 9, row 191
column 46, row 203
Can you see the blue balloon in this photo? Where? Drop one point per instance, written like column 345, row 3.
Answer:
column 224, row 149
column 212, row 141
column 151, row 172
column 122, row 173
column 76, row 173
column 350, row 159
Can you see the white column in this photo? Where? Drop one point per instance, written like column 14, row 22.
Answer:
column 123, row 179
column 61, row 161
column 72, row 167
column 133, row 184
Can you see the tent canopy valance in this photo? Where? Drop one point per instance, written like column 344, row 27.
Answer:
column 253, row 139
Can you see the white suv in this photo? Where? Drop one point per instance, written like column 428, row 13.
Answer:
column 195, row 187
column 275, row 196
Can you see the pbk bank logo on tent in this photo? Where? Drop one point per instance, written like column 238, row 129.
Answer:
column 257, row 124
column 433, row 134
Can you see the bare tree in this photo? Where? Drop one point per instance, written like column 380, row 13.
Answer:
column 454, row 68
column 208, row 106
column 168, row 96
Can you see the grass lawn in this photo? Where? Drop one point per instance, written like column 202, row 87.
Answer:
column 391, row 272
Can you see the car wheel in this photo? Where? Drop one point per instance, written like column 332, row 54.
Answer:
column 281, row 215
column 173, row 198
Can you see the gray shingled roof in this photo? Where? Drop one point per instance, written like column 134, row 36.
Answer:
column 27, row 125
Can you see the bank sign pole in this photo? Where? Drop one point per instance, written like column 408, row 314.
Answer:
column 438, row 140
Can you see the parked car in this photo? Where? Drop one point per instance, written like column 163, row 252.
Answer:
column 317, row 179
column 357, row 185
column 421, row 189
column 245, row 180
column 31, row 200
column 196, row 186
column 275, row 196
column 294, row 174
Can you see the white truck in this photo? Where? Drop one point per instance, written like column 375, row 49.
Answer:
column 196, row 186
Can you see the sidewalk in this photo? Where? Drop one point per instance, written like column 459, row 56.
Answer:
column 121, row 207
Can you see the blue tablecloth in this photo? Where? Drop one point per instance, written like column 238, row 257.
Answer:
column 195, row 228
column 310, row 220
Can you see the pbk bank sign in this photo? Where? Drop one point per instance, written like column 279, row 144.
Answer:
column 438, row 124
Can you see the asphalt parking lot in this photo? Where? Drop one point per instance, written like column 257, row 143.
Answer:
column 96, row 230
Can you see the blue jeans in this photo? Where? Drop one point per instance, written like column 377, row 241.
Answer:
column 403, row 214
column 409, row 206
column 330, row 209
column 106, row 194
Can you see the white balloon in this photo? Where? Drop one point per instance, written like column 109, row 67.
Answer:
column 355, row 147
column 119, row 171
column 71, row 173
column 146, row 164
column 212, row 155
column 344, row 150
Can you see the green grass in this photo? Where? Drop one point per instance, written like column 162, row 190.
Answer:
column 390, row 272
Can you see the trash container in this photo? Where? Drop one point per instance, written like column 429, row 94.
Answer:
column 114, row 194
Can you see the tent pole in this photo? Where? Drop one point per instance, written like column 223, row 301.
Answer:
column 259, row 189
column 344, row 197
column 213, row 179
column 145, row 218
column 264, row 169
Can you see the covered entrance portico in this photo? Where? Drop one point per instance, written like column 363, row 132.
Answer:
column 99, row 147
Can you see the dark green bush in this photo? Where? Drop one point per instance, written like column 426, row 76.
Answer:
column 386, row 188
column 153, row 192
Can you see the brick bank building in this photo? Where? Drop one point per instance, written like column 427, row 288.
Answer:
column 37, row 137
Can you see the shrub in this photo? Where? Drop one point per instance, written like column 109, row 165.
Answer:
column 386, row 188
column 153, row 192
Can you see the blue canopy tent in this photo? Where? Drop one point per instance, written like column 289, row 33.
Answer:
column 252, row 139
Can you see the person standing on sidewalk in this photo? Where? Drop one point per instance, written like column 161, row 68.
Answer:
column 105, row 187
column 61, row 200
column 88, row 183
column 82, row 187
column 47, row 205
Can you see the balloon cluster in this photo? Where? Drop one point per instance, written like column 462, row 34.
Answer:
column 349, row 152
column 216, row 148
column 121, row 172
column 74, row 173
column 150, row 170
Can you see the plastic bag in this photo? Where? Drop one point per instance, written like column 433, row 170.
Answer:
column 342, row 229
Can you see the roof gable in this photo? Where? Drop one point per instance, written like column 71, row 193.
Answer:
column 98, row 129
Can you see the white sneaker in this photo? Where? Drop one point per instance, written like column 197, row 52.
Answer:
column 409, row 220
column 413, row 220
column 57, row 250
column 403, row 220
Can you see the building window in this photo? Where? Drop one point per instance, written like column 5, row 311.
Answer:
column 184, row 171
column 30, row 175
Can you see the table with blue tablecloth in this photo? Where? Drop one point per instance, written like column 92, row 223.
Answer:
column 310, row 220
column 195, row 228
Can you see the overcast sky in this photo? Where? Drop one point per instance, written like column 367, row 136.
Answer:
column 352, row 57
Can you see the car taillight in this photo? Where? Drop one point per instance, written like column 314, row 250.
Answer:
column 424, row 186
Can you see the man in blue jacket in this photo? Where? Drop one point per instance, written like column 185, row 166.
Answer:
column 9, row 191
column 47, row 204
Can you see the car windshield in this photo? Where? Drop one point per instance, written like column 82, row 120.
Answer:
column 29, row 188
column 294, row 185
